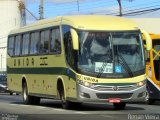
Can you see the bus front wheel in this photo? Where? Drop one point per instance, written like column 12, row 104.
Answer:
column 150, row 101
column 27, row 99
column 65, row 103
column 119, row 106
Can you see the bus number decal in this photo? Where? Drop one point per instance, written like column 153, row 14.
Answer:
column 27, row 61
column 43, row 61
column 23, row 62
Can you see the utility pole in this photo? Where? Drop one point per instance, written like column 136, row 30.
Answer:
column 23, row 12
column 78, row 5
column 41, row 9
column 120, row 7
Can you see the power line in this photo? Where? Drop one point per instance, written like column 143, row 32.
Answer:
column 142, row 8
column 83, row 8
column 136, row 10
column 88, row 1
column 142, row 4
column 142, row 11
column 31, row 14
column 29, row 11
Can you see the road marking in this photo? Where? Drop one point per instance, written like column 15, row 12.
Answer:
column 59, row 109
column 42, row 107
column 17, row 104
column 108, row 116
column 81, row 112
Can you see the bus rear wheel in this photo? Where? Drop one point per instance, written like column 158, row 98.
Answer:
column 119, row 106
column 27, row 99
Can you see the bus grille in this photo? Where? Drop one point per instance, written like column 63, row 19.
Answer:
column 111, row 88
column 106, row 96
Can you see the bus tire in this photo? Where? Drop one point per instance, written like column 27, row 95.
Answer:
column 119, row 106
column 65, row 103
column 150, row 101
column 36, row 100
column 27, row 99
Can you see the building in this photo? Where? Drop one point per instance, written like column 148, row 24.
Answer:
column 10, row 19
column 151, row 25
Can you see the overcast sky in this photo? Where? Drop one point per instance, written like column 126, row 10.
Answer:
column 109, row 7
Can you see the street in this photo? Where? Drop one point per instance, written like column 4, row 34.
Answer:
column 12, row 107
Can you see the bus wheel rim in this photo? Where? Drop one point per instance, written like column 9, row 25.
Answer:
column 25, row 94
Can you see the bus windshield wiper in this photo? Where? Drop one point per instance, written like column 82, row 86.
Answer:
column 125, row 65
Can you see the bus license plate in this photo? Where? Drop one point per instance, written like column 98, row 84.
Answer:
column 114, row 100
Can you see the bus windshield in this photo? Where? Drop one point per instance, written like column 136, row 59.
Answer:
column 111, row 54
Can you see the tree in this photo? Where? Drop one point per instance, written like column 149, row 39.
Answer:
column 120, row 6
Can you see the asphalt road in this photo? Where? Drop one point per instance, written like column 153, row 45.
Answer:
column 12, row 108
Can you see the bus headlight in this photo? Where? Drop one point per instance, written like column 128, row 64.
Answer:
column 85, row 83
column 142, row 83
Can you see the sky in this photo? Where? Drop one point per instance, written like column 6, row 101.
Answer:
column 54, row 8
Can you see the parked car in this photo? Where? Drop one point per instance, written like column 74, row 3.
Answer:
column 3, row 85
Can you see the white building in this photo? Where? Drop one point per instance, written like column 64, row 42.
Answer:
column 9, row 19
column 151, row 25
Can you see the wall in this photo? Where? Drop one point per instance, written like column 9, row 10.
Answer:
column 9, row 19
column 151, row 25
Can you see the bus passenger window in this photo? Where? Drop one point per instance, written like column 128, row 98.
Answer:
column 25, row 44
column 55, row 45
column 11, row 46
column 45, row 35
column 34, row 43
column 17, row 45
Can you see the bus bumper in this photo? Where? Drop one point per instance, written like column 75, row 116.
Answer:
column 86, row 94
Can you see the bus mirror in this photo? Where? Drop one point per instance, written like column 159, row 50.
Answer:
column 74, row 39
column 148, row 39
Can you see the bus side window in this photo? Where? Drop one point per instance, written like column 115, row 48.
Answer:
column 25, row 44
column 45, row 35
column 55, row 45
column 11, row 46
column 34, row 43
column 17, row 45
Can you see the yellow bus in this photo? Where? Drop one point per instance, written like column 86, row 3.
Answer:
column 81, row 58
column 153, row 70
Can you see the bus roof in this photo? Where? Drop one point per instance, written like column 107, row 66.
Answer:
column 84, row 22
